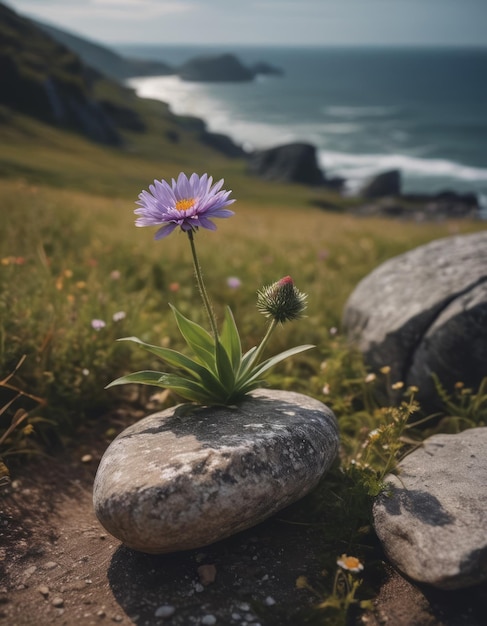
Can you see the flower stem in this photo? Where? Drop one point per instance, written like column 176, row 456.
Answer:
column 264, row 341
column 201, row 286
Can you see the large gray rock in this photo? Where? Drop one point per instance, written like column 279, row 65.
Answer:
column 425, row 312
column 383, row 184
column 292, row 163
column 433, row 523
column 184, row 478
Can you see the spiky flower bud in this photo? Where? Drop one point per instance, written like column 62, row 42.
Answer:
column 281, row 301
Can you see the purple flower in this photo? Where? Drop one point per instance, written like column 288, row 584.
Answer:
column 233, row 282
column 97, row 324
column 188, row 204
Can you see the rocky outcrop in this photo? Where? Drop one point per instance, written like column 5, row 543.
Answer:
column 384, row 184
column 432, row 519
column 184, row 478
column 222, row 143
column 219, row 68
column 292, row 163
column 425, row 312
column 423, row 207
column 223, row 68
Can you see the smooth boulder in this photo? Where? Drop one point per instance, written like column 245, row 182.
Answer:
column 188, row 476
column 433, row 520
column 425, row 312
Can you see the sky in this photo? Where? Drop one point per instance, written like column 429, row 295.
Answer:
column 267, row 22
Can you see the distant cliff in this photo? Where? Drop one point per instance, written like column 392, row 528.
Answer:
column 46, row 80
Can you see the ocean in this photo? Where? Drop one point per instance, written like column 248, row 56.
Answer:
column 367, row 110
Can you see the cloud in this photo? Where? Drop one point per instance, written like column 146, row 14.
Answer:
column 140, row 10
column 283, row 22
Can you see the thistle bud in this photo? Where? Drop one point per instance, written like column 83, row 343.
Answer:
column 281, row 301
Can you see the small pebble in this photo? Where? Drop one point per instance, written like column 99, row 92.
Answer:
column 101, row 613
column 117, row 618
column 86, row 458
column 270, row 601
column 207, row 574
column 165, row 611
column 29, row 571
column 199, row 587
column 50, row 565
column 57, row 602
column 43, row 590
column 208, row 620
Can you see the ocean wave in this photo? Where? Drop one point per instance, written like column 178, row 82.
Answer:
column 185, row 98
column 357, row 167
column 335, row 139
column 354, row 112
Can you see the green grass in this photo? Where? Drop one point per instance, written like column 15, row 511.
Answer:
column 69, row 253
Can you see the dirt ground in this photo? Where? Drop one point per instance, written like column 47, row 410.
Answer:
column 59, row 566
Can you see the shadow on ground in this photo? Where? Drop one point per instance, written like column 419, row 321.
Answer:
column 255, row 580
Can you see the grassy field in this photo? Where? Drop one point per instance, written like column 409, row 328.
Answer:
column 70, row 254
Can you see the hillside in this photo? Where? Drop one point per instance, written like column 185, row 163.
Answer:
column 46, row 80
column 103, row 59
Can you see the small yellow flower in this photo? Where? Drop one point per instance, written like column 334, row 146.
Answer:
column 459, row 385
column 413, row 389
column 326, row 389
column 398, row 385
column 68, row 274
column 385, row 370
column 350, row 563
column 28, row 430
column 81, row 284
column 370, row 378
column 59, row 283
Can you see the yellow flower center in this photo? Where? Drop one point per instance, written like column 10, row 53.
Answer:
column 351, row 562
column 185, row 204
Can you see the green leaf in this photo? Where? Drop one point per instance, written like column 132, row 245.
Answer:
column 265, row 365
column 176, row 359
column 186, row 388
column 246, row 361
column 146, row 377
column 198, row 339
column 226, row 374
column 230, row 339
